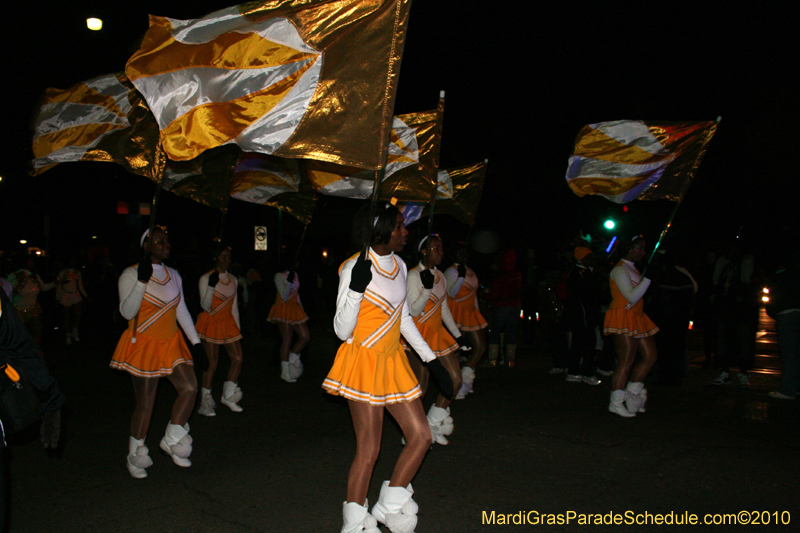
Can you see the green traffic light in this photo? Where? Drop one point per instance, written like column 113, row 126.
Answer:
column 609, row 224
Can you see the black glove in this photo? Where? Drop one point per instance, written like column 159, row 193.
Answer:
column 145, row 270
column 442, row 377
column 361, row 275
column 51, row 429
column 290, row 277
column 462, row 343
column 426, row 276
column 200, row 357
column 462, row 270
column 213, row 279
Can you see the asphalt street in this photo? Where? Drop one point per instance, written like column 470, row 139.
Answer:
column 526, row 444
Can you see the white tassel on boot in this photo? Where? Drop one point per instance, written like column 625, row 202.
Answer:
column 617, row 406
column 177, row 443
column 207, row 403
column 441, row 424
column 231, row 395
column 396, row 509
column 467, row 379
column 138, row 458
column 357, row 518
column 286, row 374
column 295, row 366
column 635, row 397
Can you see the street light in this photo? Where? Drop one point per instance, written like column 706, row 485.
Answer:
column 609, row 224
column 94, row 24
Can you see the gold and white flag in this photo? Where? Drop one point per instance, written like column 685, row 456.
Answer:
column 104, row 119
column 312, row 80
column 631, row 159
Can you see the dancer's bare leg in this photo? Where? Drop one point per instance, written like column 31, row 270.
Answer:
column 212, row 352
column 476, row 339
column 185, row 382
column 368, row 426
column 234, row 350
column 411, row 418
column 626, row 354
column 450, row 363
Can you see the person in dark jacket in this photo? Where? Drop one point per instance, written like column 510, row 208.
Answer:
column 784, row 307
column 19, row 352
column 505, row 295
column 582, row 317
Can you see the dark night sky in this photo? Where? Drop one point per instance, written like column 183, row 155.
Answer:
column 520, row 84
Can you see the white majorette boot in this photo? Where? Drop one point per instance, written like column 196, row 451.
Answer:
column 177, row 443
column 138, row 458
column 357, row 518
column 295, row 366
column 231, row 396
column 467, row 379
column 286, row 373
column 207, row 403
column 617, row 406
column 441, row 424
column 395, row 508
column 635, row 397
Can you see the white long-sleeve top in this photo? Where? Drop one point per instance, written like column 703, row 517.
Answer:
column 625, row 276
column 228, row 286
column 286, row 289
column 454, row 282
column 131, row 293
column 348, row 302
column 418, row 297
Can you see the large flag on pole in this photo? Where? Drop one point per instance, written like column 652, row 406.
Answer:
column 410, row 164
column 458, row 194
column 631, row 159
column 103, row 119
column 256, row 178
column 295, row 79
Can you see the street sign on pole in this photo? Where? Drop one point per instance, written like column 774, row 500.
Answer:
column 261, row 237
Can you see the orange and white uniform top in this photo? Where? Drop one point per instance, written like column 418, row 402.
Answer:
column 431, row 314
column 287, row 307
column 153, row 346
column 625, row 315
column 69, row 287
column 370, row 365
column 462, row 298
column 219, row 321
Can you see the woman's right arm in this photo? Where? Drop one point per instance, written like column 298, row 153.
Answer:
column 206, row 292
column 625, row 286
column 131, row 293
column 453, row 281
column 348, row 303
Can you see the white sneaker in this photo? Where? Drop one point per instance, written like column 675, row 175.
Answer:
column 231, row 395
column 138, row 458
column 177, row 443
column 605, row 373
column 463, row 391
column 591, row 380
column 286, row 373
column 295, row 366
column 207, row 404
column 744, row 379
column 722, row 379
column 572, row 378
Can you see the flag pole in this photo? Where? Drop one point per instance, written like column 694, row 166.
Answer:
column 435, row 187
column 669, row 222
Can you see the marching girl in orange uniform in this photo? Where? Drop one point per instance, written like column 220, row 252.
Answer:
column 632, row 331
column 462, row 299
column 70, row 293
column 218, row 325
column 288, row 313
column 372, row 372
column 427, row 304
column 151, row 298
